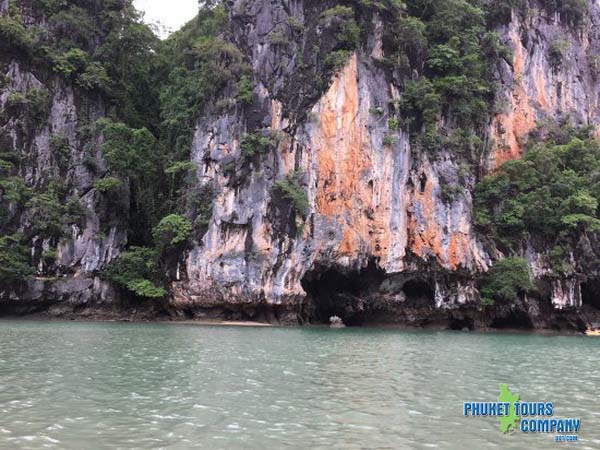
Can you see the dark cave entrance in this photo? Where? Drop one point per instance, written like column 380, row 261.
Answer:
column 419, row 293
column 336, row 293
column 590, row 294
column 461, row 323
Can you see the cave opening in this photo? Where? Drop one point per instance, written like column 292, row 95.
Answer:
column 518, row 320
column 590, row 293
column 338, row 293
column 461, row 323
column 419, row 293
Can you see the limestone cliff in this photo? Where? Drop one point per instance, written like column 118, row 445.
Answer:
column 385, row 232
column 58, row 160
column 377, row 214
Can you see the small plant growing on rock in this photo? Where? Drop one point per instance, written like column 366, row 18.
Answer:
column 557, row 51
column 291, row 189
column 15, row 99
column 109, row 184
column 341, row 20
column 245, row 90
column 59, row 146
column 336, row 60
column 257, row 143
column 389, row 140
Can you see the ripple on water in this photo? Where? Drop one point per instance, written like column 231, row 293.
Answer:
column 66, row 385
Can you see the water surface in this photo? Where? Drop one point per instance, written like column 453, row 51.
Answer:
column 97, row 385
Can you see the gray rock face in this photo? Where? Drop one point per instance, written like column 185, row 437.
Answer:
column 372, row 199
column 86, row 249
column 89, row 245
column 381, row 239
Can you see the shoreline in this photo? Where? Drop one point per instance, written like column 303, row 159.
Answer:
column 256, row 324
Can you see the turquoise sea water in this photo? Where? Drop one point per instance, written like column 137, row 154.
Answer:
column 95, row 386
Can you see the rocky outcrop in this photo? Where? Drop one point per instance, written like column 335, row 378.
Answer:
column 553, row 76
column 88, row 248
column 373, row 199
column 387, row 235
column 56, row 151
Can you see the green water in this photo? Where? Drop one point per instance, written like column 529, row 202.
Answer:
column 94, row 386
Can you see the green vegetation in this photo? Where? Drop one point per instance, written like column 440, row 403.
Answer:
column 549, row 197
column 59, row 146
column 172, row 231
column 571, row 12
column 337, row 59
column 202, row 205
column 557, row 51
column 245, row 90
column 341, row 21
column 14, row 260
column 258, row 143
column 14, row 36
column 33, row 106
column 446, row 58
column 389, row 140
column 106, row 185
column 137, row 270
column 552, row 192
column 292, row 190
column 201, row 65
column 46, row 213
column 134, row 156
column 153, row 92
column 77, row 65
column 506, row 281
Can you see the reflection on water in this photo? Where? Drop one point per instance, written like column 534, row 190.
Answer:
column 84, row 385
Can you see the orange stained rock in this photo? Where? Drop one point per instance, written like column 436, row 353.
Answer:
column 426, row 238
column 540, row 87
column 276, row 114
column 456, row 250
column 343, row 166
column 520, row 120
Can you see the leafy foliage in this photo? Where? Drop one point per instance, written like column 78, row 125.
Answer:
column 134, row 155
column 136, row 270
column 292, row 190
column 340, row 19
column 551, row 196
column 14, row 261
column 202, row 65
column 109, row 184
column 506, row 281
column 443, row 53
column 14, row 36
column 59, row 146
column 257, row 143
column 172, row 231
